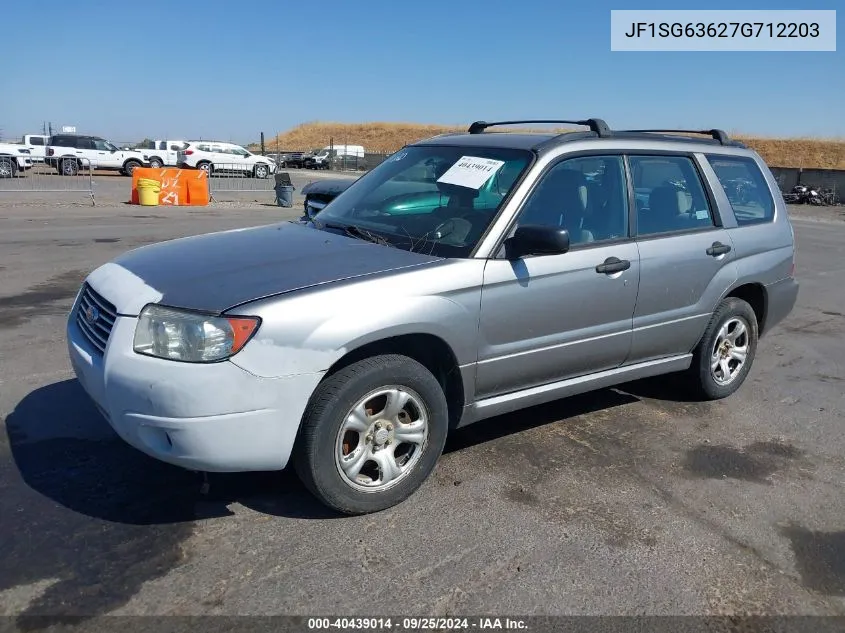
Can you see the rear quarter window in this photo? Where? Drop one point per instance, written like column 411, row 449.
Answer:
column 746, row 188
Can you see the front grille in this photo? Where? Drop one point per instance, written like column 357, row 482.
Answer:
column 95, row 317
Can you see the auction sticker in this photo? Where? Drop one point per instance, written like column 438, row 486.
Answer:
column 471, row 171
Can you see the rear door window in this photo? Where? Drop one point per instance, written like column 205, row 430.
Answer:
column 746, row 188
column 670, row 195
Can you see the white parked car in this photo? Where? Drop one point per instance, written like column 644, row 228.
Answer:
column 213, row 156
column 70, row 153
column 13, row 159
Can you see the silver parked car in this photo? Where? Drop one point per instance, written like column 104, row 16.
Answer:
column 466, row 276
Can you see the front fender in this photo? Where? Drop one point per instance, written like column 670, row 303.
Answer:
column 310, row 331
column 274, row 352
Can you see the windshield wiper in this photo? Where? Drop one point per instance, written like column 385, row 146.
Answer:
column 355, row 231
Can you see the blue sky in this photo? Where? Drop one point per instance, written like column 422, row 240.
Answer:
column 231, row 70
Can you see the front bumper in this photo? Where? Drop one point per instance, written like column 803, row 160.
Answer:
column 207, row 417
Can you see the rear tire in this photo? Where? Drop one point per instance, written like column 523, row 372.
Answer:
column 69, row 167
column 363, row 462
column 156, row 163
column 723, row 357
column 206, row 167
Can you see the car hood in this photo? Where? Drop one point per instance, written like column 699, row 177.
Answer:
column 331, row 186
column 218, row 271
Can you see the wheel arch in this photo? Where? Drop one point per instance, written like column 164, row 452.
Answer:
column 430, row 350
column 755, row 295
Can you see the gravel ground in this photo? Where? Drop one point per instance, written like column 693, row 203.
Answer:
column 623, row 501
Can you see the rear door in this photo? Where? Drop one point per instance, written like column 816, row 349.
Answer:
column 552, row 317
column 87, row 151
column 219, row 157
column 686, row 255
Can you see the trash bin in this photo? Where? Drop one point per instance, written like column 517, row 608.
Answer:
column 148, row 191
column 284, row 190
column 284, row 195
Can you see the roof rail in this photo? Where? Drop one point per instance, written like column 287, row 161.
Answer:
column 596, row 125
column 718, row 135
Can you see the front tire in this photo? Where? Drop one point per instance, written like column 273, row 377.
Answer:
column 261, row 171
column 130, row 166
column 8, row 167
column 372, row 434
column 724, row 356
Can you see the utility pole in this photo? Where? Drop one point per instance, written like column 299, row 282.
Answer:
column 263, row 153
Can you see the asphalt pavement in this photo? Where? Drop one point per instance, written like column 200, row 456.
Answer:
column 623, row 501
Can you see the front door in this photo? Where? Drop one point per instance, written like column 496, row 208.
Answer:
column 105, row 158
column 552, row 317
column 686, row 256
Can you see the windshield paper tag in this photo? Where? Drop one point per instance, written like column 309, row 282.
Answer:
column 471, row 171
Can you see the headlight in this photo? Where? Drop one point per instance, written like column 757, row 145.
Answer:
column 191, row 337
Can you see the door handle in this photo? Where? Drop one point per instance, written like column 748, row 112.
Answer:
column 717, row 248
column 613, row 265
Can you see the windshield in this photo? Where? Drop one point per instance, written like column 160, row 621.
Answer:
column 433, row 199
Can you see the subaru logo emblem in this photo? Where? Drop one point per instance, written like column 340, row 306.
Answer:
column 91, row 314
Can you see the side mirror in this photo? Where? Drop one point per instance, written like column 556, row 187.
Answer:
column 535, row 239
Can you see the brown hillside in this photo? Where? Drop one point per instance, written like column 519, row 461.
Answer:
column 809, row 153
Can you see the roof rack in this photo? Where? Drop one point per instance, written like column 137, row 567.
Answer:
column 718, row 135
column 596, row 125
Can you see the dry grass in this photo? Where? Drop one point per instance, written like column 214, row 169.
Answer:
column 810, row 153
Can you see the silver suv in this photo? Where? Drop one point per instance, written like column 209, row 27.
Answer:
column 466, row 276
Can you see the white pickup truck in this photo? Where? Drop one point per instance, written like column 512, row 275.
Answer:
column 37, row 146
column 14, row 158
column 162, row 153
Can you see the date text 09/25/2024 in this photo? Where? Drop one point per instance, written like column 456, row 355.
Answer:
column 416, row 624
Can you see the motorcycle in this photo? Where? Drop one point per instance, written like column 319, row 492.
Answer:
column 802, row 194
